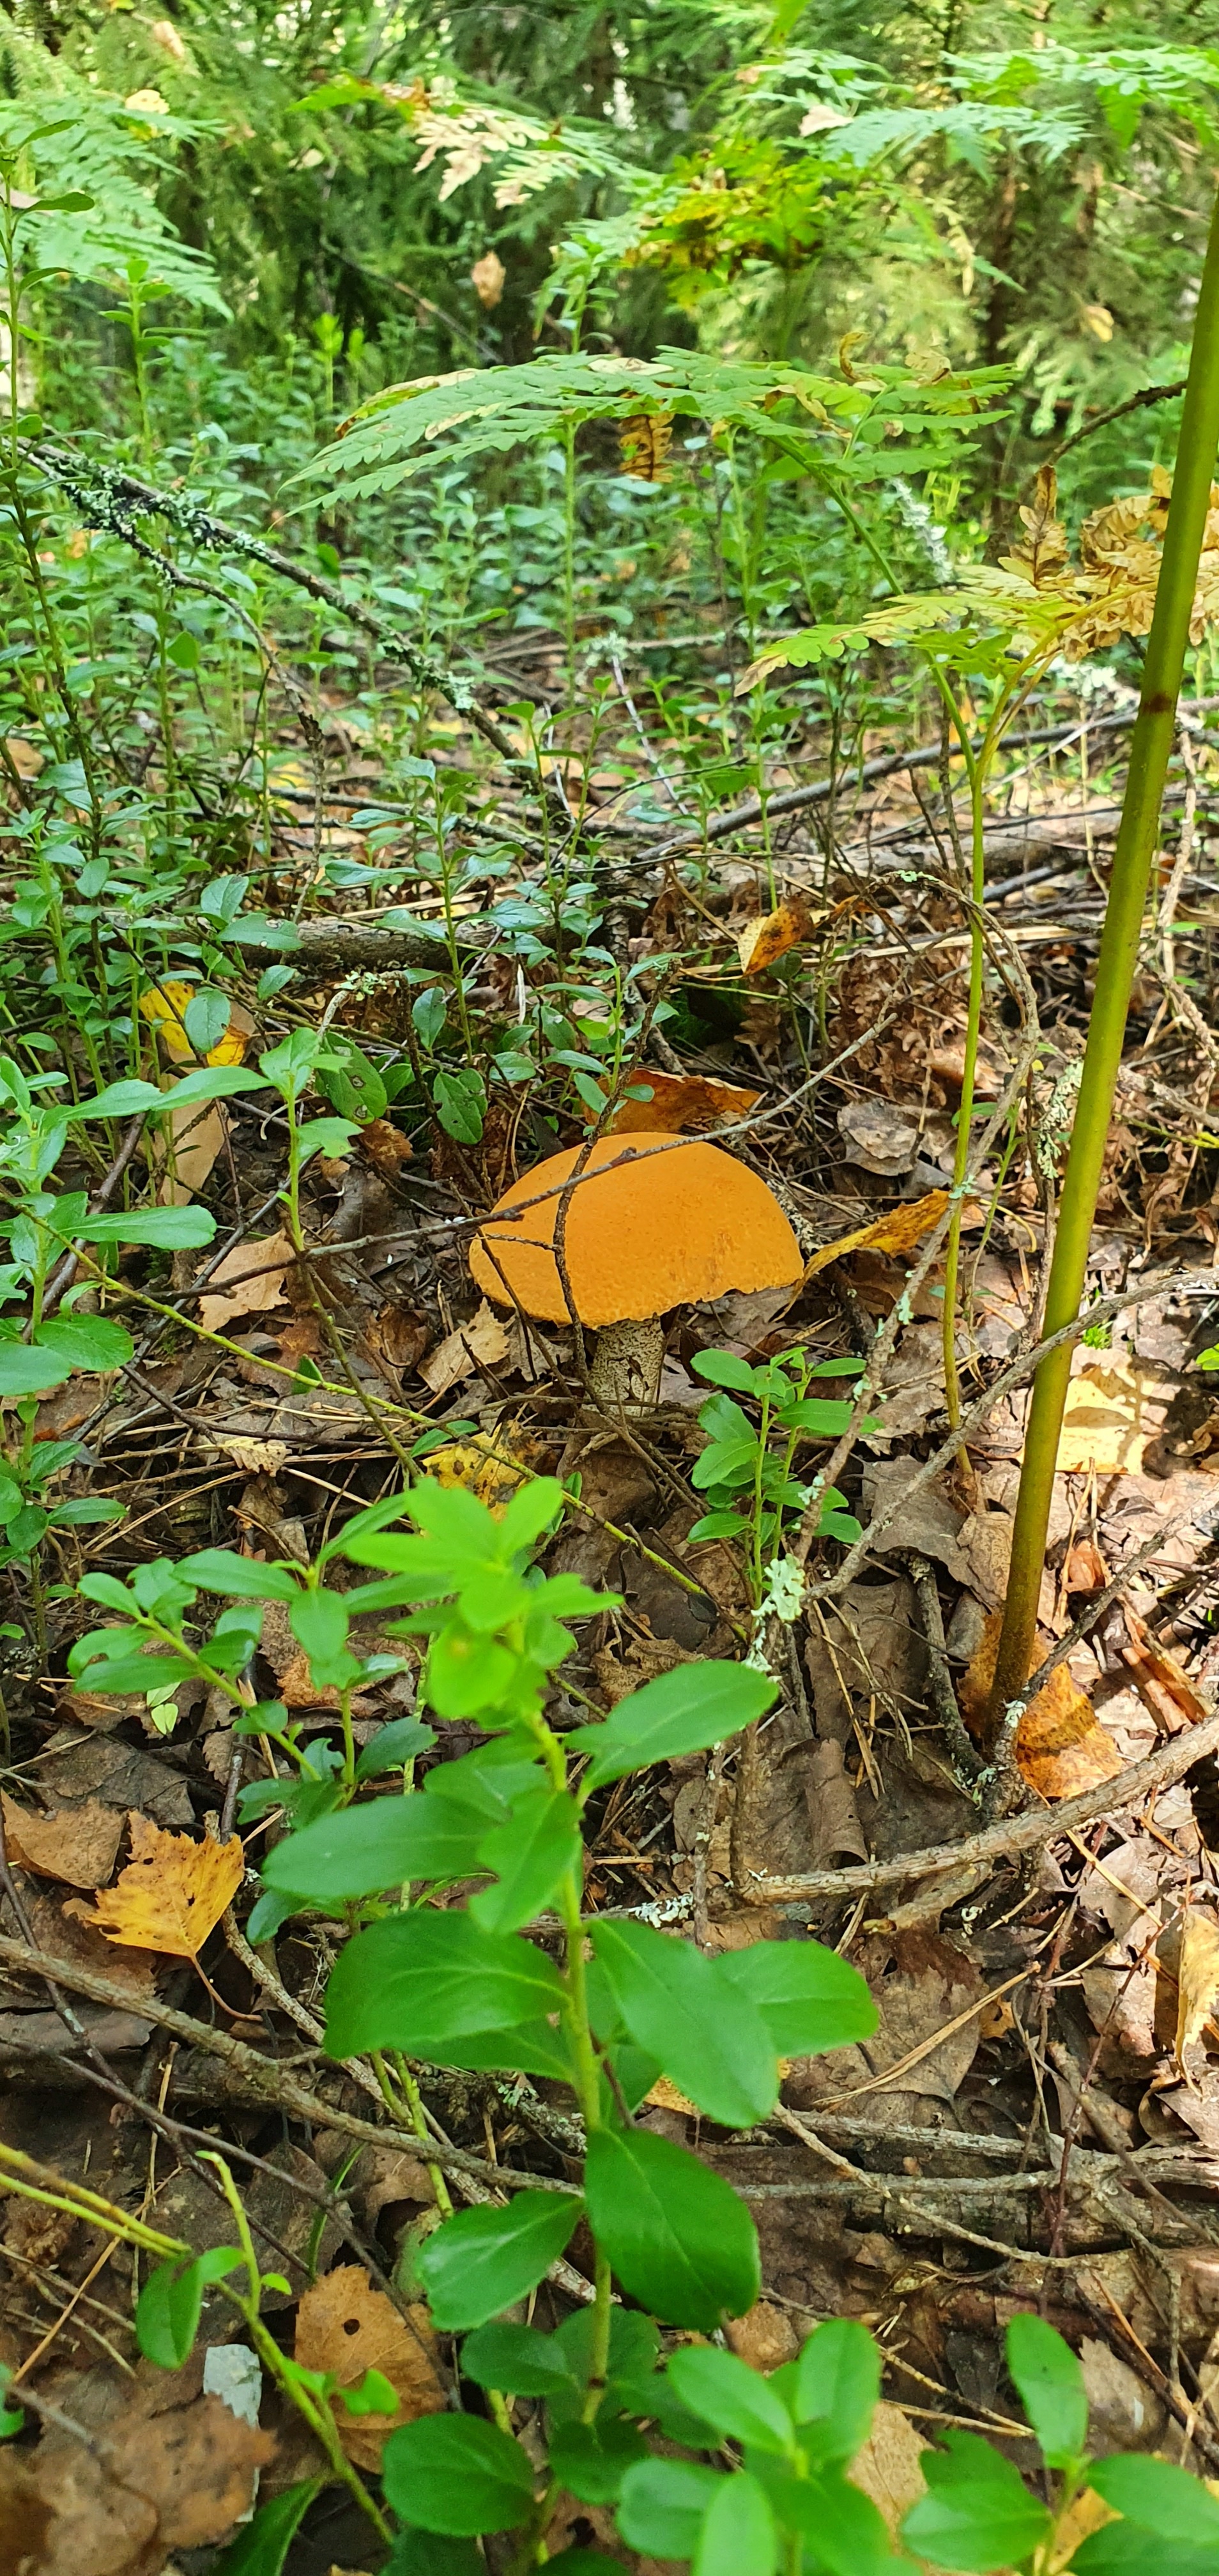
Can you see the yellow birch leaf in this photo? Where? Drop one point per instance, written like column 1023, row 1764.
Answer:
column 165, row 1004
column 1197, row 1981
column 762, row 941
column 172, row 1892
column 895, row 1232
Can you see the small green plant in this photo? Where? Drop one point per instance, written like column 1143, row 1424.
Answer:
column 45, row 1228
column 746, row 1470
column 751, row 2473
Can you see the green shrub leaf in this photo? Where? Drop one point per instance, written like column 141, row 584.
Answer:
column 425, row 1981
column 1051, row 2387
column 704, row 2033
column 681, row 1712
column 679, row 2240
column 483, row 2260
column 455, row 2474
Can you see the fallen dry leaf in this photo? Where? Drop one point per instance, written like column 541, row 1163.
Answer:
column 764, row 2336
column 1113, row 1408
column 196, row 1136
column 155, row 2481
column 257, row 1457
column 23, row 756
column 889, row 2467
column 385, row 1145
column 1060, row 1746
column 172, row 1892
column 681, row 1103
column 492, row 1469
column 896, row 1232
column 164, row 1005
column 763, row 941
column 1169, row 1693
column 78, row 1844
column 483, row 1342
column 346, row 2326
column 249, row 1280
column 1197, row 1981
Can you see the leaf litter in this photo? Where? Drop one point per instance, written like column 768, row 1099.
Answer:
column 1040, row 2104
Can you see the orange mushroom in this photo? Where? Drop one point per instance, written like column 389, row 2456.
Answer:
column 651, row 1222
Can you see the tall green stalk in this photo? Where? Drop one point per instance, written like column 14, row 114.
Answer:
column 1136, row 842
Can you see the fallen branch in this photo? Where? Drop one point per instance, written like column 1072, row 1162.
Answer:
column 1013, row 1834
column 267, row 2082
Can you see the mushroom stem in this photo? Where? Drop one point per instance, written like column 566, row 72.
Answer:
column 626, row 1364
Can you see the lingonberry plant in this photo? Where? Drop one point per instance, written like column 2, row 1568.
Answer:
column 747, row 1470
column 468, row 1947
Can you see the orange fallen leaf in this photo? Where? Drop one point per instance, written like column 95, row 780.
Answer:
column 346, row 2326
column 895, row 1232
column 76, row 1844
column 172, row 1892
column 249, row 1280
column 1084, row 1568
column 762, row 942
column 1060, row 1746
column 1169, row 1693
column 681, row 1103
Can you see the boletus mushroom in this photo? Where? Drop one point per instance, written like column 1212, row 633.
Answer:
column 649, row 1222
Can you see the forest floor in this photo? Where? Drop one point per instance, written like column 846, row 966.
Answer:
column 1037, row 2118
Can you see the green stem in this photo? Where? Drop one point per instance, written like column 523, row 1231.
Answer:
column 973, row 1024
column 317, row 2414
column 588, row 2080
column 1136, row 842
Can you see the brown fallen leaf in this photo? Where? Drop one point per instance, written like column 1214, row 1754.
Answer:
column 896, row 1232
column 172, row 1892
column 346, row 2326
column 153, row 2482
column 681, row 1103
column 195, row 1139
column 483, row 1342
column 1169, row 1693
column 385, row 1145
column 889, row 2467
column 762, row 942
column 764, row 2336
column 1060, row 1746
column 1197, row 1981
column 78, row 1844
column 257, row 1457
column 250, row 1279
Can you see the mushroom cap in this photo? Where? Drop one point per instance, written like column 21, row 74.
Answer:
column 653, row 1222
